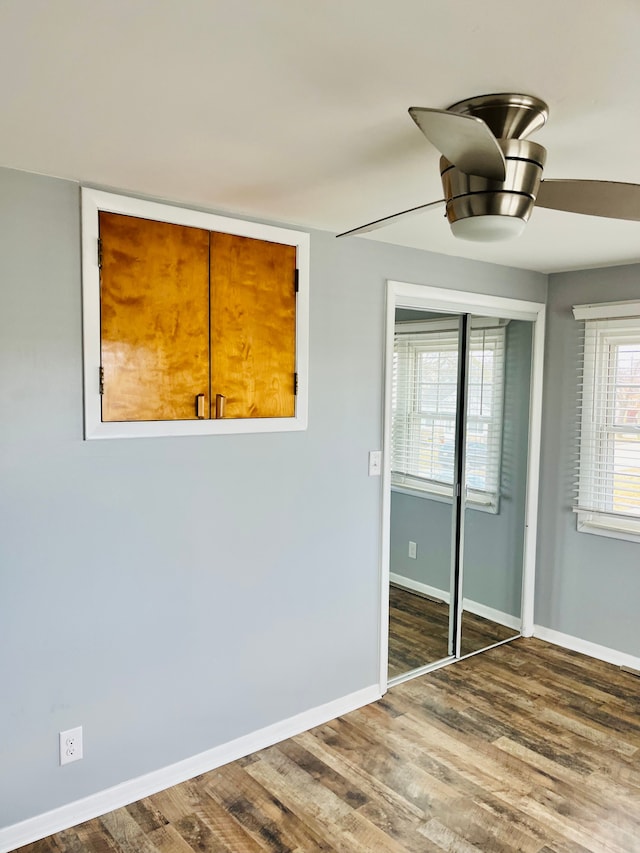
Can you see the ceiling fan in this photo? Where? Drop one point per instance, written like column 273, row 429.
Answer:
column 492, row 175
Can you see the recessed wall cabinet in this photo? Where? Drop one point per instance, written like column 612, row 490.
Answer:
column 193, row 323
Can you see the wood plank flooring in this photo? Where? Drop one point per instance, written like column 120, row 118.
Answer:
column 419, row 630
column 526, row 747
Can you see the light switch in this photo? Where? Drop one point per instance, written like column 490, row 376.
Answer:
column 375, row 463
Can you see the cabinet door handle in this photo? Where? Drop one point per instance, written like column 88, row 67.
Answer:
column 220, row 403
column 200, row 406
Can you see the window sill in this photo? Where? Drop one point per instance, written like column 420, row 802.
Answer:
column 603, row 525
column 443, row 498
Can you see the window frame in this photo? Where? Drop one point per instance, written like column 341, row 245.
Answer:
column 483, row 500
column 622, row 325
column 92, row 202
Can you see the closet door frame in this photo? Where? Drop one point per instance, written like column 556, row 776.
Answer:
column 428, row 298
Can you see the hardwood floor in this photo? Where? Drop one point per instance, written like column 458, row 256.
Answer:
column 419, row 630
column 526, row 747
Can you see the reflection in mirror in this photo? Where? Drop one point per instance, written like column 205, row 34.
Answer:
column 496, row 451
column 424, row 401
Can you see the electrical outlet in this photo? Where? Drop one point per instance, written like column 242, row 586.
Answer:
column 413, row 550
column 71, row 745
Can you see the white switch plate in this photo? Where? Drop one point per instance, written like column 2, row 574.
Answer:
column 71, row 745
column 413, row 550
column 375, row 463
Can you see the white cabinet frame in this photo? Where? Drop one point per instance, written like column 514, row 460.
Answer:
column 94, row 201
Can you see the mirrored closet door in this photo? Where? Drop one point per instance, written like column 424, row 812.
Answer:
column 460, row 419
column 496, row 456
column 424, row 409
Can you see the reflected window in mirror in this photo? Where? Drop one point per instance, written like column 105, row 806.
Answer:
column 424, row 402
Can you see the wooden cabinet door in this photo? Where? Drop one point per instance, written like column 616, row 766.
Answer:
column 154, row 304
column 253, row 326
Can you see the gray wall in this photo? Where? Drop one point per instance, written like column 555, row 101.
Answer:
column 428, row 524
column 587, row 585
column 172, row 594
column 493, row 542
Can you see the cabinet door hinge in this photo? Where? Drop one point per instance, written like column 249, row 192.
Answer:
column 295, row 383
column 99, row 253
column 102, row 380
column 296, row 281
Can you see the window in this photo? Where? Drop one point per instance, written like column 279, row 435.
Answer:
column 193, row 323
column 609, row 440
column 424, row 407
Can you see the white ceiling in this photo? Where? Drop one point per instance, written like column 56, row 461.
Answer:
column 296, row 110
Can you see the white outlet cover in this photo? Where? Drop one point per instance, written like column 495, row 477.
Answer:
column 71, row 745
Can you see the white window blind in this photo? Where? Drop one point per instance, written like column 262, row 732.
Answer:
column 608, row 483
column 424, row 408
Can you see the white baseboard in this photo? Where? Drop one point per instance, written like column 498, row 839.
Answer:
column 468, row 604
column 593, row 650
column 128, row 792
column 492, row 614
column 417, row 586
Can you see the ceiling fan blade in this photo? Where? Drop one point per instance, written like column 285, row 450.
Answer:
column 387, row 220
column 612, row 199
column 465, row 141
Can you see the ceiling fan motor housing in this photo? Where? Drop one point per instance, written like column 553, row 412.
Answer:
column 507, row 115
column 472, row 196
column 511, row 118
